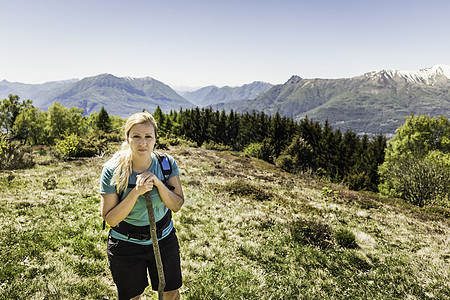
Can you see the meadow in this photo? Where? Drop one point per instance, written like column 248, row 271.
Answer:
column 247, row 230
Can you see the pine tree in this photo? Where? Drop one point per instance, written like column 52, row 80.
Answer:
column 104, row 121
column 160, row 121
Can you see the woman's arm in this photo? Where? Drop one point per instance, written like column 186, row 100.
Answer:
column 174, row 200
column 114, row 211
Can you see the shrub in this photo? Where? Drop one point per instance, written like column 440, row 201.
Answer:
column 286, row 162
column 419, row 181
column 92, row 145
column 68, row 147
column 49, row 183
column 13, row 156
column 112, row 136
column 254, row 150
column 417, row 164
column 327, row 192
column 210, row 145
column 311, row 232
column 296, row 157
column 241, row 188
column 72, row 146
column 438, row 211
column 345, row 238
column 171, row 140
column 357, row 181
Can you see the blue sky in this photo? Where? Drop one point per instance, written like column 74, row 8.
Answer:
column 198, row 43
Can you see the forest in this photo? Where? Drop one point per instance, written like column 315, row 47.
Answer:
column 414, row 165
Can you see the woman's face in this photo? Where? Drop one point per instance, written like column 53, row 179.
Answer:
column 142, row 140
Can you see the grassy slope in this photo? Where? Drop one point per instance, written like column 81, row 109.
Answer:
column 247, row 231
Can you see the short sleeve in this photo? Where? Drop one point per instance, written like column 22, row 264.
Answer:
column 105, row 181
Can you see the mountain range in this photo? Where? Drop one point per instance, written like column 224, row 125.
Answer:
column 375, row 102
column 121, row 96
column 211, row 95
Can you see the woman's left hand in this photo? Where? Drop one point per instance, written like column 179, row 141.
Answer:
column 146, row 178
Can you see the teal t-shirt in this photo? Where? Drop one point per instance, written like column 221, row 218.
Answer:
column 138, row 215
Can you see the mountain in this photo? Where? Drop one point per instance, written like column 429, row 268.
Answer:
column 121, row 96
column 39, row 93
column 375, row 102
column 212, row 94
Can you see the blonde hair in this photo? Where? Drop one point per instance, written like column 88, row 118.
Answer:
column 121, row 161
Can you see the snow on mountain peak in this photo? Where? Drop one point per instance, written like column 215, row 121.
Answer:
column 425, row 76
column 147, row 78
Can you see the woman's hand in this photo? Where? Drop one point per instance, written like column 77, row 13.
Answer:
column 145, row 182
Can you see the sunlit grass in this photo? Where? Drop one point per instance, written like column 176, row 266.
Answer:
column 247, row 231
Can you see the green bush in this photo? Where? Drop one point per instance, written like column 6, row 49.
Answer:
column 72, row 146
column 286, row 162
column 254, row 150
column 49, row 183
column 68, row 147
column 417, row 164
column 245, row 189
column 311, row 232
column 112, row 136
column 93, row 145
column 14, row 156
column 210, row 145
column 421, row 182
column 345, row 238
column 171, row 140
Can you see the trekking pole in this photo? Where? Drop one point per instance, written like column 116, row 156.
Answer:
column 159, row 265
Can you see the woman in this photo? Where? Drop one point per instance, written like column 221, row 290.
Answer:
column 126, row 177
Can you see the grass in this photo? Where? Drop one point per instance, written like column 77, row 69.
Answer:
column 247, row 231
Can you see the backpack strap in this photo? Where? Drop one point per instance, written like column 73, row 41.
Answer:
column 166, row 168
column 120, row 193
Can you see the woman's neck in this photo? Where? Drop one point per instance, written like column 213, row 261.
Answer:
column 140, row 166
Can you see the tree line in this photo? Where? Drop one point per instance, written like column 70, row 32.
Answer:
column 25, row 122
column 304, row 146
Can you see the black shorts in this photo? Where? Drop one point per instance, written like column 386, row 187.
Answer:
column 129, row 263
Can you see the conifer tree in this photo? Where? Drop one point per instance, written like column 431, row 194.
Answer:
column 246, row 131
column 232, row 128
column 160, row 120
column 103, row 121
column 262, row 127
column 276, row 135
